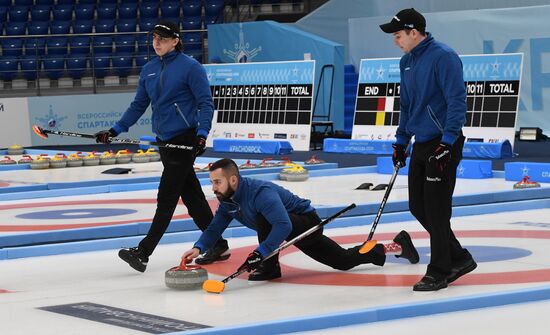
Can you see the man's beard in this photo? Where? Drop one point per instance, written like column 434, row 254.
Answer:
column 226, row 196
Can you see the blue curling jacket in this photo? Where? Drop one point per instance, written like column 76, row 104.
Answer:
column 177, row 88
column 251, row 198
column 433, row 95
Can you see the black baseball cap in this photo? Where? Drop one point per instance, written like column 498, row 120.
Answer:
column 406, row 19
column 167, row 29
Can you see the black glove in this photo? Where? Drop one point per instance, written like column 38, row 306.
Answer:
column 440, row 157
column 104, row 136
column 252, row 261
column 200, row 147
column 399, row 155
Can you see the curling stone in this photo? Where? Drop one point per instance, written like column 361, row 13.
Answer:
column 123, row 156
column 206, row 168
column 107, row 158
column 295, row 172
column 313, row 160
column 7, row 161
column 153, row 155
column 185, row 277
column 26, row 159
column 74, row 160
column 247, row 165
column 91, row 160
column 285, row 161
column 41, row 162
column 267, row 163
column 16, row 150
column 526, row 183
column 140, row 157
column 58, row 161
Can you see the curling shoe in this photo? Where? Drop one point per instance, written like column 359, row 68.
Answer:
column 461, row 269
column 430, row 283
column 219, row 252
column 135, row 257
column 266, row 273
column 408, row 251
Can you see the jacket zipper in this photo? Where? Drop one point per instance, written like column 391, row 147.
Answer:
column 434, row 119
column 183, row 116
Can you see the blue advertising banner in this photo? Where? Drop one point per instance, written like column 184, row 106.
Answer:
column 86, row 114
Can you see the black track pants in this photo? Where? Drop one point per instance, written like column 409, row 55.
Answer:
column 178, row 180
column 430, row 201
column 320, row 247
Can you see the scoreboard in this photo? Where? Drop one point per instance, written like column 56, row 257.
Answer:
column 270, row 101
column 492, row 86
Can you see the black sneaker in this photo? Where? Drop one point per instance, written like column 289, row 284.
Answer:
column 408, row 251
column 265, row 273
column 135, row 257
column 214, row 254
column 429, row 283
column 461, row 269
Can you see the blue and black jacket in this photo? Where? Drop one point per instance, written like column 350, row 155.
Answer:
column 177, row 88
column 252, row 198
column 433, row 95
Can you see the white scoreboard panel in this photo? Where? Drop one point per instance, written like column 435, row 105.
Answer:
column 270, row 101
column 492, row 84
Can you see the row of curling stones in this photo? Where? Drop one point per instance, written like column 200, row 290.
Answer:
column 185, row 276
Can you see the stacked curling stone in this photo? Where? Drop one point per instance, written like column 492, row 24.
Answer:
column 7, row 161
column 140, row 157
column 267, row 163
column 91, row 160
column 123, row 156
column 294, row 172
column 16, row 150
column 41, row 162
column 313, row 160
column 107, row 158
column 26, row 159
column 58, row 161
column 74, row 160
column 248, row 165
column 153, row 155
column 206, row 168
column 185, row 277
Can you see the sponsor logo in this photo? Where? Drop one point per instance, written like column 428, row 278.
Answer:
column 255, row 149
column 293, row 136
column 251, row 135
column 2, row 107
column 263, row 135
column 433, row 179
column 240, row 135
column 280, row 136
column 227, row 134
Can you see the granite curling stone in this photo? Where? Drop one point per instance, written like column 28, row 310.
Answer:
column 41, row 162
column 185, row 277
column 295, row 172
column 74, row 160
column 140, row 157
column 58, row 161
column 153, row 155
column 16, row 150
column 91, row 160
column 123, row 156
column 7, row 161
